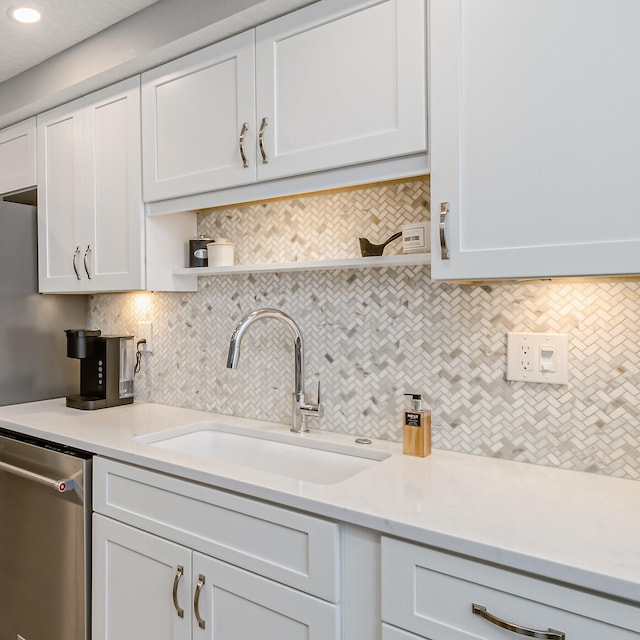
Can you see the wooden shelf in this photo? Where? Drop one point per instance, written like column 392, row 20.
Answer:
column 376, row 262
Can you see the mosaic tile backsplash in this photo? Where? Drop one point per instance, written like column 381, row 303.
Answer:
column 373, row 335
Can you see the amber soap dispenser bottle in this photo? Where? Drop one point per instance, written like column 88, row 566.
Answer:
column 416, row 428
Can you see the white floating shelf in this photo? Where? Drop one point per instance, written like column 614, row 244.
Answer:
column 376, row 262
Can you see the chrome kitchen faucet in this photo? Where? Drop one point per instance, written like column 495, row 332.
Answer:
column 301, row 409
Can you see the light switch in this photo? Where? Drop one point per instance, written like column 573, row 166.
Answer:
column 548, row 358
column 538, row 357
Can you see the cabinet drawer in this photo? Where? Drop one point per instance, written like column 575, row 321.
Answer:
column 431, row 593
column 289, row 547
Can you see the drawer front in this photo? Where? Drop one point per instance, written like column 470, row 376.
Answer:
column 432, row 593
column 289, row 547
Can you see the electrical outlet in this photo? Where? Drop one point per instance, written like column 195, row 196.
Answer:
column 538, row 357
column 145, row 332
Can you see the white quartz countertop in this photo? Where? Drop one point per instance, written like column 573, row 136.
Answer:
column 574, row 527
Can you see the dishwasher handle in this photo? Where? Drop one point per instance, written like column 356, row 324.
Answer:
column 61, row 486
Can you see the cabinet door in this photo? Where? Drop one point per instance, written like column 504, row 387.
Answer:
column 113, row 241
column 90, row 215
column 135, row 575
column 341, row 83
column 60, row 230
column 18, row 156
column 232, row 603
column 535, row 140
column 194, row 111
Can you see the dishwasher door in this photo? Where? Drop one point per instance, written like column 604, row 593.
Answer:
column 45, row 516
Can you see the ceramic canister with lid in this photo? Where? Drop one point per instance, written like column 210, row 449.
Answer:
column 221, row 252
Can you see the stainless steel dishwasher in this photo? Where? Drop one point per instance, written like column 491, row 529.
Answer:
column 45, row 540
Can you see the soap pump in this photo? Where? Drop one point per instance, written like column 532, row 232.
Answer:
column 416, row 428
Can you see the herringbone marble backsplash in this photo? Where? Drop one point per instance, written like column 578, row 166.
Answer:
column 371, row 336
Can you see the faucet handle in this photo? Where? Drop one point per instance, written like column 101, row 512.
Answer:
column 312, row 408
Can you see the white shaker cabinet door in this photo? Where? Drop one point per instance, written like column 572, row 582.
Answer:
column 61, row 232
column 535, row 143
column 90, row 215
column 230, row 604
column 135, row 578
column 114, row 245
column 198, row 121
column 341, row 83
column 18, row 156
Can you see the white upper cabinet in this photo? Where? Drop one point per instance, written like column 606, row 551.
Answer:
column 18, row 156
column 198, row 118
column 90, row 218
column 535, row 141
column 336, row 84
column 341, row 83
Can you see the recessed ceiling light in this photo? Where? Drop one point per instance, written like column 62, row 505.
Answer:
column 25, row 14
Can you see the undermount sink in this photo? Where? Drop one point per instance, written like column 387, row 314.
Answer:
column 285, row 455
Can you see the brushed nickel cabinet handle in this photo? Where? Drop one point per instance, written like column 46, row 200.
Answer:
column 86, row 267
column 196, row 601
column 444, row 251
column 263, row 124
column 76, row 253
column 550, row 634
column 176, row 582
column 245, row 128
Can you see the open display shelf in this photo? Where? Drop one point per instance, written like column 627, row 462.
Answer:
column 402, row 260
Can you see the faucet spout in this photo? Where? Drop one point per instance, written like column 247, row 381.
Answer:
column 233, row 356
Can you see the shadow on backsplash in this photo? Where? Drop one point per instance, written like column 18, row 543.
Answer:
column 373, row 335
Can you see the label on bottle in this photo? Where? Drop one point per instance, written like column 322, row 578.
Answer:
column 412, row 419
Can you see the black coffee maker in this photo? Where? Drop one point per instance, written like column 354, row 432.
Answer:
column 106, row 369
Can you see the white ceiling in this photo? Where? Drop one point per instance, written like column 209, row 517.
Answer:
column 64, row 23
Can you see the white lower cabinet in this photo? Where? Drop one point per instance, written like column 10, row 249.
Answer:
column 134, row 574
column 146, row 587
column 174, row 560
column 442, row 596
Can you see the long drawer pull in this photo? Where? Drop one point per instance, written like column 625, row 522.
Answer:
column 196, row 602
column 86, row 255
column 76, row 253
column 550, row 634
column 176, row 582
column 245, row 128
column 263, row 153
column 444, row 250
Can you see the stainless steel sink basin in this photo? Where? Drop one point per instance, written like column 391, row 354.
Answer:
column 281, row 454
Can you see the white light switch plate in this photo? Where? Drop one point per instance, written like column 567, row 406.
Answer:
column 538, row 357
